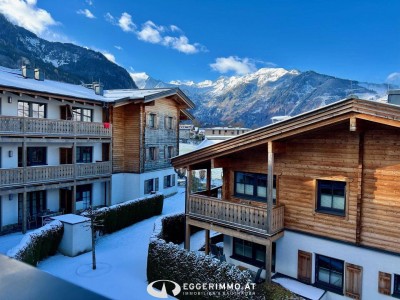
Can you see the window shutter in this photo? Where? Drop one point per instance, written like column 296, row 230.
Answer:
column 165, row 152
column 304, row 261
column 156, row 121
column 173, row 179
column 147, row 119
column 385, row 283
column 147, row 153
column 353, row 281
column 156, row 184
column 165, row 182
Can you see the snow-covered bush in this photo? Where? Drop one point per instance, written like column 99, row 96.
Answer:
column 119, row 216
column 38, row 244
column 167, row 261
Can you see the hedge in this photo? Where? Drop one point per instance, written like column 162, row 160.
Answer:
column 173, row 228
column 38, row 244
column 119, row 216
column 167, row 261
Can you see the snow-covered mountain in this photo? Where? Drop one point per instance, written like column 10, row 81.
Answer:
column 60, row 61
column 253, row 99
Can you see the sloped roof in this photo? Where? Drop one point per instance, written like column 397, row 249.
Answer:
column 337, row 112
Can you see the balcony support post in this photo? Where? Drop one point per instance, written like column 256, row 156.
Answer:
column 73, row 204
column 187, row 236
column 270, row 185
column 208, row 181
column 268, row 261
column 207, row 238
column 24, row 212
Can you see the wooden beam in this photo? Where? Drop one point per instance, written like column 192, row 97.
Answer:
column 353, row 124
column 231, row 232
column 270, row 185
column 24, row 212
column 380, row 120
column 187, row 236
column 208, row 184
column 268, row 262
column 73, row 200
column 207, row 241
column 188, row 188
column 360, row 187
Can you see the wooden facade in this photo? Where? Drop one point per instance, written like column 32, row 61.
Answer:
column 134, row 135
column 354, row 142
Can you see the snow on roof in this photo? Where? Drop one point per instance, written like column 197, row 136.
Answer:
column 299, row 288
column 71, row 219
column 113, row 95
column 13, row 78
column 207, row 143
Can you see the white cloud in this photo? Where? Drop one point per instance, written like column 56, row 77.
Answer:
column 118, row 47
column 181, row 44
column 109, row 56
column 139, row 78
column 235, row 64
column 150, row 33
column 87, row 13
column 393, row 77
column 25, row 14
column 89, row 2
column 125, row 23
column 110, row 18
column 169, row 36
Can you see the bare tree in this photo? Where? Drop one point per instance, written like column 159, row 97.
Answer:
column 93, row 226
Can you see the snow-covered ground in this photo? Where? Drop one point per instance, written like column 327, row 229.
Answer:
column 121, row 258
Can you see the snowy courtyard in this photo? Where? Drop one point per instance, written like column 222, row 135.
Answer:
column 121, row 258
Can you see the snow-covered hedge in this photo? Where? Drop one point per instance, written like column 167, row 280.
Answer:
column 38, row 244
column 168, row 261
column 122, row 215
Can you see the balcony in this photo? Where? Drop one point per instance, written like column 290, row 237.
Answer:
column 43, row 174
column 50, row 127
column 235, row 215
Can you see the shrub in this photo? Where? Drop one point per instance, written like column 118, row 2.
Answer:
column 119, row 216
column 169, row 262
column 39, row 244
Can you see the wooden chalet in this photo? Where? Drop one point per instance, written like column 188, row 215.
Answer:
column 314, row 197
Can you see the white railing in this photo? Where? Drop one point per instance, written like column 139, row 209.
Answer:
column 235, row 214
column 43, row 174
column 50, row 127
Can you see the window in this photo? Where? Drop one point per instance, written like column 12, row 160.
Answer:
column 82, row 114
column 150, row 185
column 169, row 151
column 169, row 181
column 36, row 156
column 168, row 123
column 254, row 186
column 84, row 154
column 31, row 109
column 331, row 197
column 35, row 203
column 251, row 253
column 152, row 121
column 151, row 153
column 396, row 287
column 329, row 273
column 83, row 196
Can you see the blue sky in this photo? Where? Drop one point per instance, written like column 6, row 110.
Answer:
column 199, row 40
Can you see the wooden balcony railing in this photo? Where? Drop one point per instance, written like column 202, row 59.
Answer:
column 236, row 215
column 51, row 127
column 43, row 174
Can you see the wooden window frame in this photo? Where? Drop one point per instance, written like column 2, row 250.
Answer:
column 324, row 285
column 152, row 153
column 326, row 210
column 79, row 115
column 152, row 120
column 169, row 123
column 154, row 185
column 169, row 181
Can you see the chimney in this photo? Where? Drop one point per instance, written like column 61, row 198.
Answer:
column 394, row 97
column 27, row 72
column 39, row 75
column 98, row 88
